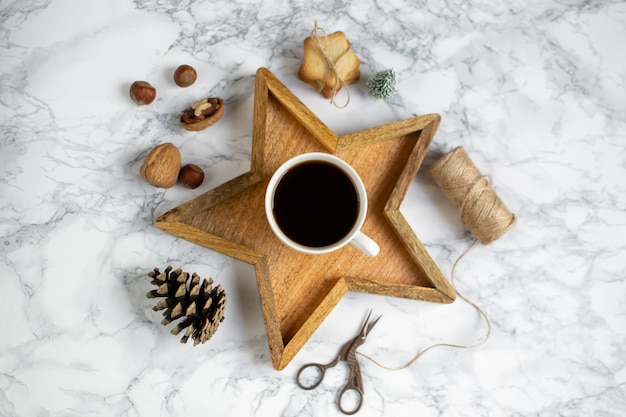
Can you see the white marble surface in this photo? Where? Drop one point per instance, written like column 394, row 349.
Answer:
column 536, row 93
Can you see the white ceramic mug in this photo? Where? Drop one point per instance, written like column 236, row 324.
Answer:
column 316, row 203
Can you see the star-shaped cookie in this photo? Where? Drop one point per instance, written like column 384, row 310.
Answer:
column 298, row 290
column 329, row 63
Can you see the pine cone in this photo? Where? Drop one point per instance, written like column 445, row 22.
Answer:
column 200, row 306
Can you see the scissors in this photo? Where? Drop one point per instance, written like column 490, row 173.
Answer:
column 347, row 354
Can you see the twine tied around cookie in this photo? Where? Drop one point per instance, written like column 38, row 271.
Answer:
column 480, row 208
column 332, row 66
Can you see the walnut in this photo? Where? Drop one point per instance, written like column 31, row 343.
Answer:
column 161, row 166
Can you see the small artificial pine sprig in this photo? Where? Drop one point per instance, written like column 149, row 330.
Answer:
column 383, row 84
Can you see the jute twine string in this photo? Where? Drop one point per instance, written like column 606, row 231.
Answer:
column 332, row 66
column 483, row 213
column 452, row 345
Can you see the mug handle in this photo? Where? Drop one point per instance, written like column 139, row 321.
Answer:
column 365, row 244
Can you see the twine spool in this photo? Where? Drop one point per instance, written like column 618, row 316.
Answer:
column 471, row 193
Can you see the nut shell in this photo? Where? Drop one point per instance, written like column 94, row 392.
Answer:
column 161, row 166
column 191, row 176
column 185, row 75
column 204, row 123
column 142, row 93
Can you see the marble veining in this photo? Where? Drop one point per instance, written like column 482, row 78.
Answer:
column 534, row 91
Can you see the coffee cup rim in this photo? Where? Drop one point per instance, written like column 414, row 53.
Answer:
column 336, row 161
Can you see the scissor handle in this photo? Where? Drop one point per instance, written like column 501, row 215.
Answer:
column 320, row 367
column 354, row 381
column 347, row 388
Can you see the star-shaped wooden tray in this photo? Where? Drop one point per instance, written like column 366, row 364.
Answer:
column 297, row 290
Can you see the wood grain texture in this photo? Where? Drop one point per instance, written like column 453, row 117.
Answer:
column 298, row 290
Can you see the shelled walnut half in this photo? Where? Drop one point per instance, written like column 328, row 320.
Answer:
column 202, row 114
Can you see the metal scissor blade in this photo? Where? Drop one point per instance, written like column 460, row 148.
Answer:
column 364, row 328
column 369, row 326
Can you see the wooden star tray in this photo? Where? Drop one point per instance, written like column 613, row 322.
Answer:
column 297, row 290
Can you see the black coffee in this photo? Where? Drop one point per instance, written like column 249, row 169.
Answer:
column 315, row 204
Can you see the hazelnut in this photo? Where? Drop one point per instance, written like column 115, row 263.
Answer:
column 161, row 166
column 191, row 176
column 185, row 75
column 141, row 92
